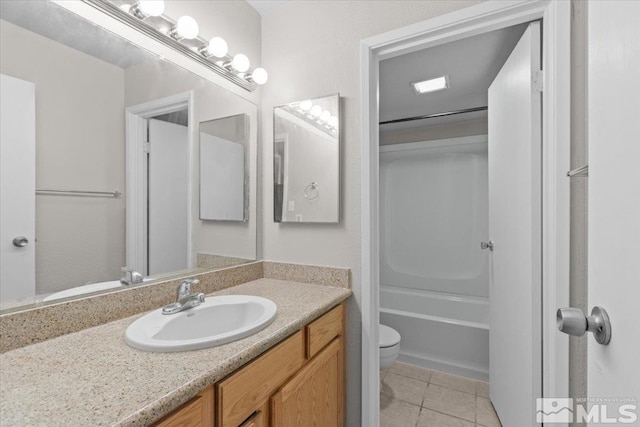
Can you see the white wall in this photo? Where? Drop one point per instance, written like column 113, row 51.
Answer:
column 311, row 49
column 79, row 146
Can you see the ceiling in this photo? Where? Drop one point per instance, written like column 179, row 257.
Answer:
column 471, row 65
column 266, row 6
column 58, row 24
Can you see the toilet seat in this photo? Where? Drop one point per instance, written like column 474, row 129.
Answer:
column 388, row 336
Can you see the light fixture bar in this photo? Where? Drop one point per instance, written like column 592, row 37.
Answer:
column 126, row 18
column 431, row 85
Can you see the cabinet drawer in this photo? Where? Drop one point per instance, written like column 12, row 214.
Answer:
column 321, row 331
column 196, row 413
column 242, row 393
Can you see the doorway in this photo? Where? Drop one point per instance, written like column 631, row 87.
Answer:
column 159, row 152
column 467, row 23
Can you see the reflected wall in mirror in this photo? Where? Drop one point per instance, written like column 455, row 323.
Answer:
column 224, row 157
column 68, row 86
column 306, row 162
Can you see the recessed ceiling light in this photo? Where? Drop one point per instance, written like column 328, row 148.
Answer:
column 431, row 85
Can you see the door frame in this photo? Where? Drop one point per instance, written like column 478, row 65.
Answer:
column 556, row 45
column 136, row 118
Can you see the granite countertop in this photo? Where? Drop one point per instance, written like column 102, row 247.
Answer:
column 92, row 378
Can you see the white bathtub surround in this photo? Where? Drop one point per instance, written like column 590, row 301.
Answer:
column 439, row 331
column 414, row 396
column 433, row 215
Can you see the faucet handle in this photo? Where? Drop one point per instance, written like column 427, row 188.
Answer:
column 185, row 287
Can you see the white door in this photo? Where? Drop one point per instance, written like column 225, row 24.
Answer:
column 17, row 188
column 515, row 373
column 614, row 200
column 168, row 188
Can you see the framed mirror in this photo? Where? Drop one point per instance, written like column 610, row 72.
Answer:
column 306, row 161
column 103, row 166
column 224, row 175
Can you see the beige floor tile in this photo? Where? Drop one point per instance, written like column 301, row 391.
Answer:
column 429, row 418
column 396, row 413
column 450, row 402
column 383, row 372
column 486, row 415
column 482, row 389
column 411, row 371
column 453, row 381
column 403, row 388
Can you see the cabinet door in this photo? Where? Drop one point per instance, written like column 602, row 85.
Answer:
column 314, row 396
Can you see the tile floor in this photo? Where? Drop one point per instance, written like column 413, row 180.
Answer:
column 411, row 396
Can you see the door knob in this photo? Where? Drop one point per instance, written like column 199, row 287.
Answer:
column 20, row 241
column 573, row 322
column 487, row 245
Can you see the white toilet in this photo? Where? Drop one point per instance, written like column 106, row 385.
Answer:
column 389, row 346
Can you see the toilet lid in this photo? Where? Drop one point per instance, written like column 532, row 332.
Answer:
column 388, row 336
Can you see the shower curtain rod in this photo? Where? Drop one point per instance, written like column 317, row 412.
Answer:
column 431, row 116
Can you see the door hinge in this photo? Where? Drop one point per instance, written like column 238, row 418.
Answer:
column 538, row 81
column 146, row 147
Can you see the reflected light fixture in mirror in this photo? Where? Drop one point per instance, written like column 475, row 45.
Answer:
column 182, row 35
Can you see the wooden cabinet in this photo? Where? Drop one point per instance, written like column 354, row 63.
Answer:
column 300, row 382
column 312, row 396
column 297, row 383
column 198, row 412
column 243, row 392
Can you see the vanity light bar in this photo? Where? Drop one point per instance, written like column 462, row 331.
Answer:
column 182, row 36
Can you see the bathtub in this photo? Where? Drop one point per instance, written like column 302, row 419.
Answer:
column 441, row 331
column 88, row 289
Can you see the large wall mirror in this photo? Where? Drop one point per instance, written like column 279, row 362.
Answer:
column 306, row 162
column 99, row 162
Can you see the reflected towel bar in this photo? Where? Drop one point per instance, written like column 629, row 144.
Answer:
column 78, row 193
column 581, row 171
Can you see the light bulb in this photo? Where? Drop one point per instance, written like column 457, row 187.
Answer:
column 240, row 63
column 325, row 115
column 260, row 76
column 151, row 7
column 333, row 121
column 316, row 110
column 187, row 28
column 217, row 47
column 306, row 105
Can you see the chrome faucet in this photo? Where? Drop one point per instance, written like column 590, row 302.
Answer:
column 185, row 299
column 131, row 277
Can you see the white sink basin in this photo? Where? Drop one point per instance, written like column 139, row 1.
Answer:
column 218, row 320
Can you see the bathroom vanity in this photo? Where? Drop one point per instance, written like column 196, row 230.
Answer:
column 300, row 379
column 287, row 373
